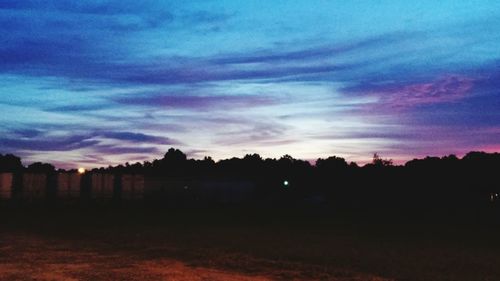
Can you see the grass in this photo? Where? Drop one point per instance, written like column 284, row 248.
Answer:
column 277, row 244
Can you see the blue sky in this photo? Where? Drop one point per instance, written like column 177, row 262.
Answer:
column 93, row 83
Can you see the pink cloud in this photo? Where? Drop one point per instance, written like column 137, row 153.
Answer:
column 448, row 88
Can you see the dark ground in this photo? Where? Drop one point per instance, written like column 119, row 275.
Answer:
column 242, row 244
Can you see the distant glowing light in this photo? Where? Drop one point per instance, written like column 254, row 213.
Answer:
column 493, row 197
column 285, row 183
column 81, row 170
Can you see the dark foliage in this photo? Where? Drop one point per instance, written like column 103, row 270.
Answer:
column 10, row 163
column 432, row 182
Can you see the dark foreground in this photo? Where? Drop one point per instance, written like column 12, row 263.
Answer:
column 235, row 244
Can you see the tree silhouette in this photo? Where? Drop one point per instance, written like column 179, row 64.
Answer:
column 10, row 163
column 379, row 162
column 430, row 182
column 39, row 167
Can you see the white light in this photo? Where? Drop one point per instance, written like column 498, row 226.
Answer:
column 81, row 170
column 285, row 183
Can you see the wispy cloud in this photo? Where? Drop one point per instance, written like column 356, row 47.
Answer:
column 35, row 140
column 314, row 53
column 48, row 143
column 120, row 150
column 138, row 138
column 402, row 95
column 106, row 81
column 196, row 101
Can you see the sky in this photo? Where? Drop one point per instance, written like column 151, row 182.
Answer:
column 97, row 83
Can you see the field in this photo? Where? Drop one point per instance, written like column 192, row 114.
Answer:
column 242, row 244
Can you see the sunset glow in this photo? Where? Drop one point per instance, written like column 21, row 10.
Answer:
column 98, row 83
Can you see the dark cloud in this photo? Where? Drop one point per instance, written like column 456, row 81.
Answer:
column 444, row 76
column 25, row 51
column 195, row 102
column 138, row 138
column 47, row 143
column 318, row 52
column 70, row 47
column 36, row 140
column 78, row 57
column 27, row 133
column 79, row 107
column 143, row 75
column 206, row 17
column 66, row 52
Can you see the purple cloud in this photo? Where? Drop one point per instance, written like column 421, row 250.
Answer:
column 47, row 143
column 444, row 89
column 138, row 138
column 27, row 133
column 404, row 95
column 119, row 149
column 36, row 140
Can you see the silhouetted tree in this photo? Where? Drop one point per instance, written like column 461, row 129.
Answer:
column 174, row 156
column 39, row 167
column 379, row 162
column 173, row 164
column 432, row 182
column 332, row 163
column 10, row 163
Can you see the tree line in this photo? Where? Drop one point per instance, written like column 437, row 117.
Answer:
column 431, row 181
